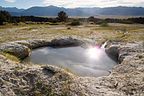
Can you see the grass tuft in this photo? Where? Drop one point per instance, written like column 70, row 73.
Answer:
column 104, row 25
column 10, row 57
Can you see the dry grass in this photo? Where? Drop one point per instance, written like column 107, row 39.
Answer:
column 127, row 32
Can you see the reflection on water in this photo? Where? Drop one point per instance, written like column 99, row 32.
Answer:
column 83, row 62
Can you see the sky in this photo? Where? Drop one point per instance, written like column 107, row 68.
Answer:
column 71, row 3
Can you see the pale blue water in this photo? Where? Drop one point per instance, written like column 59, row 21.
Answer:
column 77, row 59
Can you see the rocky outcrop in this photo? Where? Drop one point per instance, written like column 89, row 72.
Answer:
column 33, row 80
column 125, row 79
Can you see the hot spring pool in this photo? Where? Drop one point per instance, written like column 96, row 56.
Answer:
column 92, row 62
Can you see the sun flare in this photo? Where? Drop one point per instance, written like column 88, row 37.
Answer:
column 95, row 53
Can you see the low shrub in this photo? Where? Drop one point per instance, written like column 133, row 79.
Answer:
column 53, row 24
column 69, row 28
column 75, row 23
column 99, row 22
column 104, row 25
column 127, row 22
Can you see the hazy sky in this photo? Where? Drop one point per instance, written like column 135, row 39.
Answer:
column 71, row 3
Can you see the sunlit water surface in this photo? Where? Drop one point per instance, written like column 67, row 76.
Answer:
column 92, row 62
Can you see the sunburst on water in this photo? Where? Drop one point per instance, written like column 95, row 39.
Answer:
column 94, row 53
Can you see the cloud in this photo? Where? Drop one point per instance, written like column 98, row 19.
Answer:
column 10, row 0
column 92, row 3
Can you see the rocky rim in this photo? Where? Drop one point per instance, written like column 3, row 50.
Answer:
column 17, row 79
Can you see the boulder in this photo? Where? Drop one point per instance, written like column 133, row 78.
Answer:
column 15, row 49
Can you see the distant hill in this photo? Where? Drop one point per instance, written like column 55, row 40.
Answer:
column 123, row 11
column 43, row 11
column 53, row 10
column 11, row 9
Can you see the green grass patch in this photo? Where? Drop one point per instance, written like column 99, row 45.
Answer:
column 9, row 51
column 10, row 57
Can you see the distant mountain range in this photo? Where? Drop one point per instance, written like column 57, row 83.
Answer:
column 11, row 9
column 95, row 11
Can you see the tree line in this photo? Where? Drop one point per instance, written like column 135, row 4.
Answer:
column 139, row 20
column 6, row 17
column 62, row 17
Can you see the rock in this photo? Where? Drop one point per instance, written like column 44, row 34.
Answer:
column 113, row 52
column 15, row 49
column 32, row 44
column 66, row 42
column 2, row 57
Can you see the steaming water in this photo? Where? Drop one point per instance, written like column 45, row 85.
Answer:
column 81, row 61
